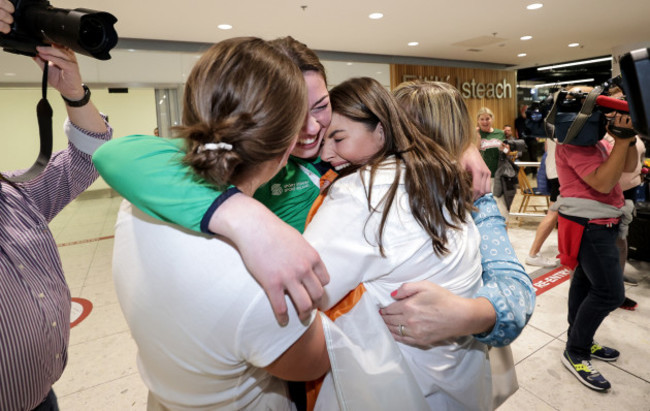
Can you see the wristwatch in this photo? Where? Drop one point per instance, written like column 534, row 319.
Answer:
column 79, row 103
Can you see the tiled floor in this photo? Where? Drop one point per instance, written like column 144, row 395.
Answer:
column 102, row 373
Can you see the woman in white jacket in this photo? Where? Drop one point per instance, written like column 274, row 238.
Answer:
column 400, row 212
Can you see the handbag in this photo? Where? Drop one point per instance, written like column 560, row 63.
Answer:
column 504, row 376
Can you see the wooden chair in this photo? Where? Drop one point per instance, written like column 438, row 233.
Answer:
column 529, row 193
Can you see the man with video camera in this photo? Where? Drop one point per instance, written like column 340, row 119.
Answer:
column 591, row 211
column 34, row 296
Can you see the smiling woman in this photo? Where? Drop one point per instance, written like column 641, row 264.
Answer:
column 398, row 213
column 351, row 142
column 318, row 118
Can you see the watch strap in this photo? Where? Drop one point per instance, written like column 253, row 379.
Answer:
column 79, row 103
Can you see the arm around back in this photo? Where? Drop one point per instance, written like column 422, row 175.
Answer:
column 148, row 171
column 306, row 359
column 505, row 282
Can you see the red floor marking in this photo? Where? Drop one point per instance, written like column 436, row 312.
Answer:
column 551, row 279
column 91, row 240
column 79, row 310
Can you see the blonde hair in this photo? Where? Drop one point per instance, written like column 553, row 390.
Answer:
column 484, row 110
column 234, row 108
column 439, row 111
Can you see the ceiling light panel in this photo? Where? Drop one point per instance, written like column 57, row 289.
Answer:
column 575, row 63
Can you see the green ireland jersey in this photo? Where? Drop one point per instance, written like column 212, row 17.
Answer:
column 148, row 171
column 291, row 192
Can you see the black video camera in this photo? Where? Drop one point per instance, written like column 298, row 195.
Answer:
column 37, row 23
column 580, row 118
column 635, row 69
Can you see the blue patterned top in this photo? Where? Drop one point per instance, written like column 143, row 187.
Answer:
column 505, row 282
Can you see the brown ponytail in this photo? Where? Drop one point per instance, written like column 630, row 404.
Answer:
column 236, row 98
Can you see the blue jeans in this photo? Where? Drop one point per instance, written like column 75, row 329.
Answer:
column 596, row 287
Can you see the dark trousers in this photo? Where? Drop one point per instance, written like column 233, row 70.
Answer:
column 596, row 287
column 531, row 154
column 49, row 404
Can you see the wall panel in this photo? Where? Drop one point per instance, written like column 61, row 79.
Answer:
column 495, row 89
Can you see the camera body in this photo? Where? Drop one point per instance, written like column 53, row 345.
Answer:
column 37, row 23
column 518, row 145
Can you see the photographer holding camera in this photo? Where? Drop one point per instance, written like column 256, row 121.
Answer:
column 591, row 212
column 34, row 296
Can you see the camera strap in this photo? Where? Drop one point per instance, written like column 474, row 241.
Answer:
column 582, row 117
column 44, row 114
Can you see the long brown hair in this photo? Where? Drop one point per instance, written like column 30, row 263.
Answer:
column 433, row 180
column 235, row 98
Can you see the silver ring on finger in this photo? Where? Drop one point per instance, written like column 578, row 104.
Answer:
column 401, row 330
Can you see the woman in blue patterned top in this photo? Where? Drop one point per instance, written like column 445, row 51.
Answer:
column 503, row 306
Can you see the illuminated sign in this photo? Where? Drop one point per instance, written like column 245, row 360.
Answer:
column 471, row 89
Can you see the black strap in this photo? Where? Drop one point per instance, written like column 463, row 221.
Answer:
column 580, row 120
column 44, row 114
column 584, row 114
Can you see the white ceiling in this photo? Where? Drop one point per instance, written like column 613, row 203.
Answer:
column 444, row 29
column 439, row 26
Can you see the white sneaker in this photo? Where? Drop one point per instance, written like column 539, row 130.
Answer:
column 541, row 261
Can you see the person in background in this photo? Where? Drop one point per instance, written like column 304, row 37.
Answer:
column 491, row 145
column 548, row 223
column 629, row 182
column 507, row 132
column 34, row 296
column 521, row 131
column 591, row 209
column 156, row 132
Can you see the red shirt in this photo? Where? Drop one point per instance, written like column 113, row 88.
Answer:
column 574, row 163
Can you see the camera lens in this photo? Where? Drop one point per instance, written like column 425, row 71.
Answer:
column 91, row 33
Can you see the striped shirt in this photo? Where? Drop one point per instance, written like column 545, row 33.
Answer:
column 34, row 296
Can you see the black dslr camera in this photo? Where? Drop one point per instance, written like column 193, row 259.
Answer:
column 37, row 23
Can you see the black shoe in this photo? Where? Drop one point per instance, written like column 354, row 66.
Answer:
column 629, row 304
column 603, row 353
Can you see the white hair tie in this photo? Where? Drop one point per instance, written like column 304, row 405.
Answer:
column 214, row 147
